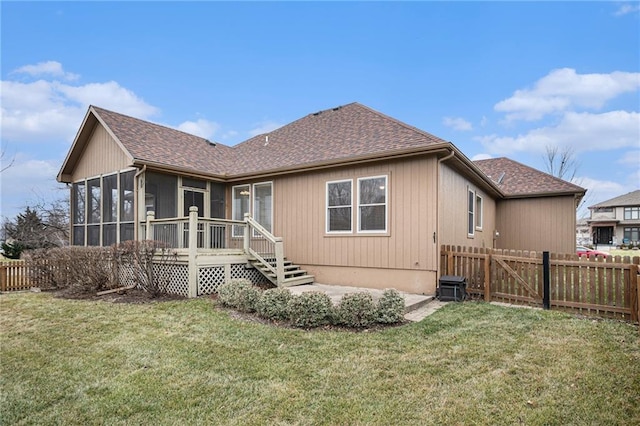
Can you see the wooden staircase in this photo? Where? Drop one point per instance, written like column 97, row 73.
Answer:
column 293, row 274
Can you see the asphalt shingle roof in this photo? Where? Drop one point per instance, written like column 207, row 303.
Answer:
column 332, row 135
column 327, row 137
column 155, row 143
column 516, row 179
column 629, row 199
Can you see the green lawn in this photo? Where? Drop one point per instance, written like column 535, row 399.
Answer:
column 185, row 362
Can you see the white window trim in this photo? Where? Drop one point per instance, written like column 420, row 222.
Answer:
column 471, row 210
column 386, row 205
column 233, row 206
column 327, row 207
column 479, row 214
column 252, row 202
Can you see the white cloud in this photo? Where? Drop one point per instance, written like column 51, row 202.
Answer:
column 580, row 131
column 45, row 111
column 26, row 182
column 631, row 158
column 484, row 121
column 564, row 89
column 626, row 9
column 481, row 157
column 457, row 123
column 264, row 127
column 201, row 127
column 49, row 68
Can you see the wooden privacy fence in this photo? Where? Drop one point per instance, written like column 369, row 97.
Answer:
column 16, row 275
column 607, row 287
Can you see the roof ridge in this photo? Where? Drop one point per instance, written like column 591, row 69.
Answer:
column 539, row 171
column 95, row 107
column 401, row 123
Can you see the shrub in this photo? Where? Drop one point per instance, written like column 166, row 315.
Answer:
column 85, row 269
column 390, row 307
column 310, row 309
column 356, row 310
column 274, row 304
column 239, row 294
column 145, row 262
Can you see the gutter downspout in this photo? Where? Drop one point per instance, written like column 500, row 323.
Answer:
column 136, row 231
column 436, row 234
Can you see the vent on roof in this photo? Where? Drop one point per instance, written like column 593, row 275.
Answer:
column 337, row 108
column 317, row 113
column 211, row 143
column 501, row 178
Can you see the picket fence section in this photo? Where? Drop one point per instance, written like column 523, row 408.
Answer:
column 591, row 286
column 17, row 275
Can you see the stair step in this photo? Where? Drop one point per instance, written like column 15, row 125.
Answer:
column 306, row 279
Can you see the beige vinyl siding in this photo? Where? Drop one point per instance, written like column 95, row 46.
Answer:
column 453, row 211
column 300, row 212
column 102, row 155
column 537, row 224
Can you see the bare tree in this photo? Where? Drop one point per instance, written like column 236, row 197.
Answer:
column 4, row 166
column 562, row 164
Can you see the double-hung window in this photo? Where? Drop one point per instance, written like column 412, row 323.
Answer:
column 339, row 206
column 372, row 204
column 474, row 212
column 631, row 213
column 471, row 209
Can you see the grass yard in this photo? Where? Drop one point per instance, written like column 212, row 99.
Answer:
column 185, row 362
column 620, row 252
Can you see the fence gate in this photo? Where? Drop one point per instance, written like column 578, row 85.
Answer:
column 517, row 278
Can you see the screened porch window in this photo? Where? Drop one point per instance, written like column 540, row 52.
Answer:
column 339, row 206
column 161, row 195
column 102, row 209
column 372, row 204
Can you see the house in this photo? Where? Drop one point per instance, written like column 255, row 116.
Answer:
column 353, row 196
column 616, row 221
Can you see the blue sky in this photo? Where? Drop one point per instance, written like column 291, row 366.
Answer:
column 495, row 78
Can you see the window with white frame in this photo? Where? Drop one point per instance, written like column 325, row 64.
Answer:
column 262, row 204
column 339, row 206
column 372, row 204
column 240, row 200
column 478, row 212
column 471, row 206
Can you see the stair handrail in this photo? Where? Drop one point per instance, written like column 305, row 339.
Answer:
column 261, row 231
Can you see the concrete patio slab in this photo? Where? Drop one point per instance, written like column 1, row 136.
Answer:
column 417, row 306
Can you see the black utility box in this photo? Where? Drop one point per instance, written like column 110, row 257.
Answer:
column 452, row 288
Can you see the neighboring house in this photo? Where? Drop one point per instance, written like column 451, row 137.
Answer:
column 357, row 197
column 616, row 221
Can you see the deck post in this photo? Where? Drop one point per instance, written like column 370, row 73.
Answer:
column 279, row 247
column 151, row 215
column 247, row 233
column 193, row 251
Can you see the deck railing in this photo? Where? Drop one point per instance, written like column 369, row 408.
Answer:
column 218, row 234
column 211, row 233
column 266, row 248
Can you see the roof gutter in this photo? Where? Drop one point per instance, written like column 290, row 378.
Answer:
column 340, row 163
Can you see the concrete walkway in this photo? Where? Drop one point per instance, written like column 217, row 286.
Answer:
column 417, row 306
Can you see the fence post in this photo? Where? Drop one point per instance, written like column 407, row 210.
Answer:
column 3, row 278
column 151, row 215
column 487, row 276
column 635, row 291
column 193, row 251
column 546, row 303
